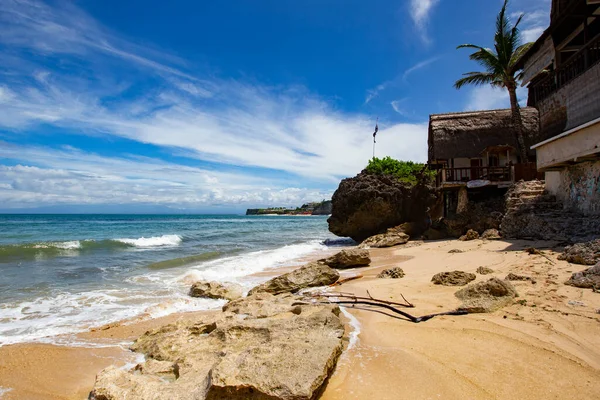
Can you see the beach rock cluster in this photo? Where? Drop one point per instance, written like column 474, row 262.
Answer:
column 484, row 271
column 311, row 275
column 348, row 258
column 368, row 204
column 515, row 277
column 582, row 253
column 391, row 273
column 470, row 235
column 478, row 216
column 491, row 234
column 586, row 279
column 216, row 290
column 241, row 353
column 484, row 297
column 454, row 278
column 393, row 237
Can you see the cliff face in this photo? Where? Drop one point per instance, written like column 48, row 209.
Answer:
column 367, row 204
column 324, row 208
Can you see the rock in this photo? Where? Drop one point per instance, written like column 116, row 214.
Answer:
column 368, row 204
column 323, row 208
column 348, row 258
column 456, row 251
column 470, row 235
column 435, row 234
column 491, row 234
column 484, row 271
column 310, row 275
column 479, row 216
column 216, row 290
column 486, row 296
column 391, row 273
column 287, row 356
column 389, row 239
column 582, row 253
column 587, row 279
column 454, row 278
column 515, row 277
column 262, row 305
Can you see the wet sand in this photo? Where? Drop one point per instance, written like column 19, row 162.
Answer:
column 545, row 346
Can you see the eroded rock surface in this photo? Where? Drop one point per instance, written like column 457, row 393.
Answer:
column 348, row 258
column 587, row 279
column 582, row 253
column 393, row 237
column 491, row 234
column 216, row 290
column 515, row 277
column 310, row 275
column 368, row 204
column 484, row 297
column 391, row 273
column 288, row 356
column 454, row 278
column 484, row 271
column 470, row 235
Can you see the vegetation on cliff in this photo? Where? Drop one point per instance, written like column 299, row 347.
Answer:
column 320, row 208
column 405, row 171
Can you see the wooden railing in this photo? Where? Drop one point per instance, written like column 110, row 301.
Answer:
column 580, row 62
column 493, row 174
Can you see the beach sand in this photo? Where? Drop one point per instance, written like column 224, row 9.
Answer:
column 545, row 346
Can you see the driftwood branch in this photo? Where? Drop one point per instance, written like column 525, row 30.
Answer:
column 410, row 317
column 534, row 251
column 342, row 281
column 370, row 298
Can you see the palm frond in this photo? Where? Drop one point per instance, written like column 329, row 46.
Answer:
column 489, row 60
column 521, row 50
column 477, row 79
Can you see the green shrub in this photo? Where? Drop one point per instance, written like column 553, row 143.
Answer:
column 405, row 171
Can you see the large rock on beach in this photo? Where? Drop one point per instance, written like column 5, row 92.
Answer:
column 484, row 297
column 491, row 234
column 582, row 253
column 287, row 356
column 392, row 237
column 348, row 258
column 454, row 278
column 391, row 273
column 587, row 279
column 368, row 204
column 216, row 290
column 311, row 275
column 470, row 235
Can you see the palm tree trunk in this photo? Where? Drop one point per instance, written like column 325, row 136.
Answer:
column 517, row 122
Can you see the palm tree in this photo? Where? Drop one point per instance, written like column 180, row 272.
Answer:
column 501, row 68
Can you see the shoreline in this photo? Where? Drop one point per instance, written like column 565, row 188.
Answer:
column 539, row 347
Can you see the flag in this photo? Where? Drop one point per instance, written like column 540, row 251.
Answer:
column 375, row 133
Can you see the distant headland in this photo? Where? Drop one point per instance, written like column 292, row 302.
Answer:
column 320, row 208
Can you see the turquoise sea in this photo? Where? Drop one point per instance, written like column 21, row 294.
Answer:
column 60, row 274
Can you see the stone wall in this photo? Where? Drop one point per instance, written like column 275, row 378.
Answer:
column 572, row 105
column 577, row 187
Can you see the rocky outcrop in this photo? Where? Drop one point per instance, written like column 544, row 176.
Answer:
column 587, row 279
column 582, row 253
column 216, row 290
column 310, row 275
column 486, row 296
column 368, row 204
column 287, row 356
column 391, row 273
column 484, row 271
column 393, row 237
column 470, row 235
column 348, row 258
column 479, row 216
column 491, row 234
column 454, row 278
column 324, row 208
column 515, row 277
column 532, row 213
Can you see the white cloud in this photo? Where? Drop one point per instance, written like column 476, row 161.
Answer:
column 420, row 12
column 229, row 122
column 490, row 98
column 536, row 18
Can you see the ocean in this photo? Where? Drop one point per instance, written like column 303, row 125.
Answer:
column 62, row 274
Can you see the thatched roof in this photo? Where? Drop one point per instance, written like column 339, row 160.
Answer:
column 467, row 134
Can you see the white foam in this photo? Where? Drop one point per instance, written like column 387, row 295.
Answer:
column 70, row 245
column 155, row 241
column 355, row 324
column 236, row 267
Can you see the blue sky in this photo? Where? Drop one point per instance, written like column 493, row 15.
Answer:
column 219, row 106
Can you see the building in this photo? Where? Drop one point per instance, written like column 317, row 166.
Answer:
column 480, row 148
column 562, row 73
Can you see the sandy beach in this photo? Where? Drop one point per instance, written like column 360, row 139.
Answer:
column 545, row 345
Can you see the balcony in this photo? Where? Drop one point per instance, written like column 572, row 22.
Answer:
column 463, row 175
column 579, row 63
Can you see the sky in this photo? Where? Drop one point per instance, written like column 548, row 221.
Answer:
column 219, row 106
